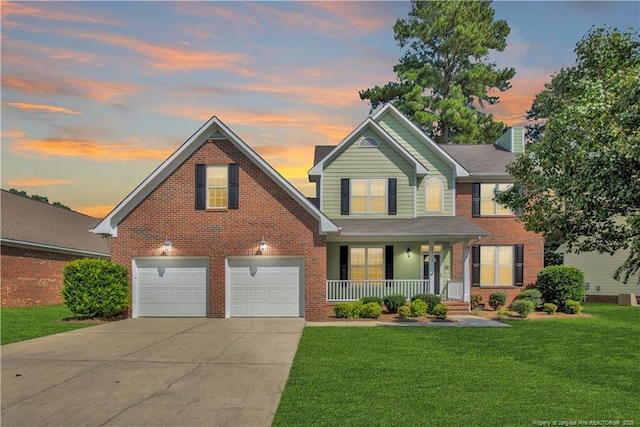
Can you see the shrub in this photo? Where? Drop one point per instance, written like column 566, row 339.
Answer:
column 533, row 295
column 371, row 310
column 342, row 309
column 572, row 307
column 394, row 301
column 366, row 300
column 476, row 299
column 550, row 308
column 356, row 309
column 418, row 308
column 505, row 312
column 440, row 311
column 404, row 312
column 523, row 307
column 497, row 300
column 559, row 283
column 431, row 300
column 95, row 287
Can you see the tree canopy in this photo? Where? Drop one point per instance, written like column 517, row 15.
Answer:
column 581, row 172
column 444, row 75
column 43, row 199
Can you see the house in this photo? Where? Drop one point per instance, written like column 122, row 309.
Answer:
column 37, row 240
column 598, row 269
column 216, row 231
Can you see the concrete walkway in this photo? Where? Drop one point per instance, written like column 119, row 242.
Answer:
column 452, row 321
column 151, row 372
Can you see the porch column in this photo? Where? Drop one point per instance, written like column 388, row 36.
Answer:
column 466, row 281
column 432, row 282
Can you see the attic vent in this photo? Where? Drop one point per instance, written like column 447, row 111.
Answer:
column 216, row 136
column 368, row 142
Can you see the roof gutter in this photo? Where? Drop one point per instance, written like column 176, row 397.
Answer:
column 52, row 248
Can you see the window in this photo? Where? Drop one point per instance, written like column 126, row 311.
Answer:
column 368, row 142
column 484, row 200
column 217, row 186
column 434, row 196
column 497, row 265
column 366, row 263
column 368, row 195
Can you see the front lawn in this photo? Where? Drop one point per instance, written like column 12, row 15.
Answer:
column 20, row 324
column 565, row 370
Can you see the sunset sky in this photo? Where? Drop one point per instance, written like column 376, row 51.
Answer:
column 95, row 95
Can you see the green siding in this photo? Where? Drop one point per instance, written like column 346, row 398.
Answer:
column 518, row 140
column 436, row 166
column 368, row 162
column 505, row 140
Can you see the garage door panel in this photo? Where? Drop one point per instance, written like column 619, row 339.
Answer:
column 265, row 287
column 172, row 287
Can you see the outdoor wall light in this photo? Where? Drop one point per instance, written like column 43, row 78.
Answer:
column 167, row 246
column 262, row 246
column 408, row 252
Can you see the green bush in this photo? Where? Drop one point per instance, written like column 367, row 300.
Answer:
column 440, row 311
column 342, row 310
column 366, row 300
column 418, row 308
column 404, row 312
column 394, row 301
column 523, row 307
column 505, row 312
column 95, row 287
column 572, row 307
column 371, row 310
column 497, row 300
column 533, row 295
column 550, row 308
column 476, row 299
column 431, row 300
column 559, row 283
column 356, row 309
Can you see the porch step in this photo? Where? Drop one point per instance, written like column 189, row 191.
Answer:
column 457, row 306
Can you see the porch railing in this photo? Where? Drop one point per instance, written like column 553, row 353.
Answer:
column 351, row 290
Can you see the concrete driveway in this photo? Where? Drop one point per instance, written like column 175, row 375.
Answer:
column 151, row 372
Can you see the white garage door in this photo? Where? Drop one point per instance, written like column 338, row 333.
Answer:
column 265, row 286
column 171, row 287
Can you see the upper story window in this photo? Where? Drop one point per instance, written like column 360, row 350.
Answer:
column 368, row 196
column 368, row 142
column 484, row 203
column 434, row 195
column 217, row 186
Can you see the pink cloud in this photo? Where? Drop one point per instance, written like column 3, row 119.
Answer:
column 13, row 133
column 57, row 147
column 38, row 182
column 55, row 12
column 41, row 108
column 95, row 211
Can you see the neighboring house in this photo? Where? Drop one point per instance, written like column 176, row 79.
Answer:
column 216, row 231
column 37, row 240
column 598, row 269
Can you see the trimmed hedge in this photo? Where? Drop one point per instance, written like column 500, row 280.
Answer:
column 95, row 287
column 431, row 299
column 533, row 295
column 394, row 301
column 523, row 307
column 497, row 300
column 560, row 283
column 418, row 308
column 572, row 307
column 366, row 300
column 440, row 311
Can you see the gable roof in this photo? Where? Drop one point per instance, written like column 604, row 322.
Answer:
column 318, row 168
column 423, row 137
column 481, row 159
column 320, row 152
column 214, row 128
column 31, row 223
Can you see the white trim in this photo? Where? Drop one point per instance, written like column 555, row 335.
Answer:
column 109, row 225
column 51, row 248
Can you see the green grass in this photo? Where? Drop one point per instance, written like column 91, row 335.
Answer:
column 20, row 324
column 572, row 369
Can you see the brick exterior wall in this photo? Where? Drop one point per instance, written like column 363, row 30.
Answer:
column 265, row 211
column 31, row 277
column 503, row 230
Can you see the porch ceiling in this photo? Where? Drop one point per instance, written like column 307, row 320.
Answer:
column 428, row 228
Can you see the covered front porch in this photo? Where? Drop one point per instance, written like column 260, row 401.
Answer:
column 379, row 257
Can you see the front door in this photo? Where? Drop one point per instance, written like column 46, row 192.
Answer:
column 436, row 269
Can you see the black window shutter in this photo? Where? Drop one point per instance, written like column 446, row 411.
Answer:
column 475, row 265
column 476, row 199
column 201, row 188
column 344, row 196
column 233, row 186
column 519, row 265
column 344, row 263
column 391, row 197
column 388, row 261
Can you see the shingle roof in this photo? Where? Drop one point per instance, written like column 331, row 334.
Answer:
column 480, row 158
column 27, row 221
column 428, row 227
column 321, row 152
